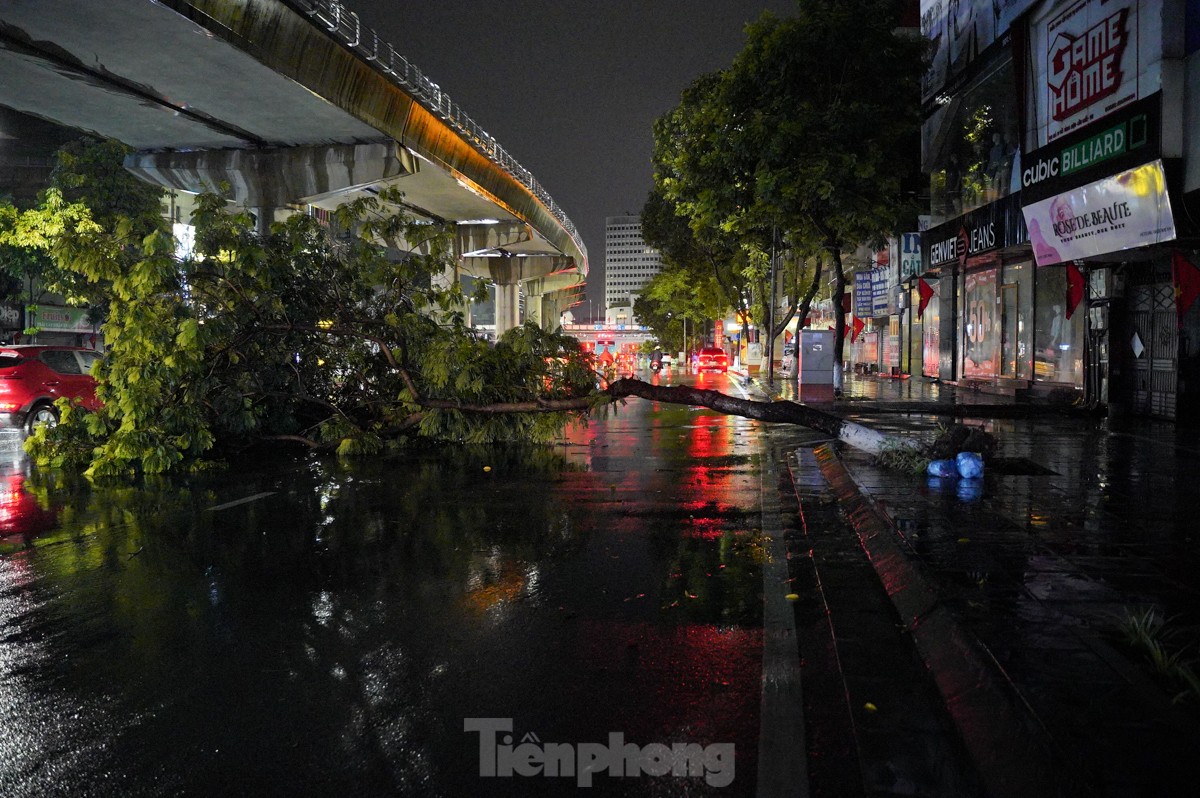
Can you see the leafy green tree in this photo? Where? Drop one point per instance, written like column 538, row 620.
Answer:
column 308, row 334
column 806, row 139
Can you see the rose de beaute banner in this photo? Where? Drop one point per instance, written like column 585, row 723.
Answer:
column 1130, row 209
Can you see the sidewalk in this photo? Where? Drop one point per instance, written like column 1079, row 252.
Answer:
column 1015, row 590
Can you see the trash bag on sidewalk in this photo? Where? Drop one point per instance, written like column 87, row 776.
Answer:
column 943, row 468
column 969, row 465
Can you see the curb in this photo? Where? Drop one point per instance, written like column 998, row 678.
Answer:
column 1008, row 746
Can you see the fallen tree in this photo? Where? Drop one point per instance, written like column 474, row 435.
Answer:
column 317, row 334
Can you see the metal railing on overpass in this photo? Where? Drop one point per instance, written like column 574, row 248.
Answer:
column 345, row 25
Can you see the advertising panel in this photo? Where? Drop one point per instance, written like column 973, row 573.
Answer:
column 981, row 325
column 1092, row 57
column 959, row 31
column 60, row 319
column 864, row 294
column 1122, row 140
column 1127, row 210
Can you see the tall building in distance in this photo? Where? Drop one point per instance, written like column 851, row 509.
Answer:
column 628, row 266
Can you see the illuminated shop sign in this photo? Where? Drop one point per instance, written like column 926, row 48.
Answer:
column 1092, row 58
column 1085, row 68
column 1121, row 141
column 995, row 226
column 1126, row 210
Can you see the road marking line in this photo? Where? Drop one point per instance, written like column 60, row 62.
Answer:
column 782, row 748
column 236, row 502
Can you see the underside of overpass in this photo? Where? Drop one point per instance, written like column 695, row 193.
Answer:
column 280, row 104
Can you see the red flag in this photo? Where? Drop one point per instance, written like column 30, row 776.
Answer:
column 925, row 291
column 848, row 329
column 858, row 327
column 845, row 303
column 1075, row 285
column 1186, row 278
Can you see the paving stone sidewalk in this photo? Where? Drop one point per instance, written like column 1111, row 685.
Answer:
column 1038, row 569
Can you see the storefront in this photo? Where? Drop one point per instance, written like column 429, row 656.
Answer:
column 978, row 295
column 63, row 326
column 1099, row 212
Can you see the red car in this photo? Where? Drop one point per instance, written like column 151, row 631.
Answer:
column 33, row 376
column 712, row 359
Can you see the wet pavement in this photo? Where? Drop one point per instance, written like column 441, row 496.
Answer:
column 300, row 627
column 1016, row 588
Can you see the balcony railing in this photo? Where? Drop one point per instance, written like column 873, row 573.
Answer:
column 345, row 25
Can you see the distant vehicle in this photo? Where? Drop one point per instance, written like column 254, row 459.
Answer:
column 712, row 359
column 33, row 376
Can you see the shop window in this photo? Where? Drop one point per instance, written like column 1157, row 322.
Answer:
column 1058, row 342
column 971, row 145
column 1017, row 313
column 981, row 325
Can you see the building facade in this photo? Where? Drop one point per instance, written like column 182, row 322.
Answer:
column 1061, row 175
column 628, row 264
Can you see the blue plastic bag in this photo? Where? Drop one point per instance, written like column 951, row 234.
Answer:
column 970, row 465
column 942, row 468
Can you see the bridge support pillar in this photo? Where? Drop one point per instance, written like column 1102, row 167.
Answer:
column 539, row 274
column 508, row 307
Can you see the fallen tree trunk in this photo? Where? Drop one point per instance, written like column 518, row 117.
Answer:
column 785, row 412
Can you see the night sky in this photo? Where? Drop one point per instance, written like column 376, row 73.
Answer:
column 571, row 88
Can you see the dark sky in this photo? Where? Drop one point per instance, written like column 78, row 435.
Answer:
column 571, row 88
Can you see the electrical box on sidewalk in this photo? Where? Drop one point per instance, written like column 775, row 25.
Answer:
column 815, row 365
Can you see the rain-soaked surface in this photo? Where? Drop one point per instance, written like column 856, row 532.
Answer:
column 300, row 626
column 1043, row 564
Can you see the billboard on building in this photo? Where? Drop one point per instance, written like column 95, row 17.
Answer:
column 1127, row 210
column 959, row 31
column 1090, row 58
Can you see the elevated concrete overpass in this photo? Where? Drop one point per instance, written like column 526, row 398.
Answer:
column 290, row 103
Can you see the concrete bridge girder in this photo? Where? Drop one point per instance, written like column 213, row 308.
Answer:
column 480, row 240
column 275, row 177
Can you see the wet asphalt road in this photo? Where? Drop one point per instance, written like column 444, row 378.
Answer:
column 300, row 627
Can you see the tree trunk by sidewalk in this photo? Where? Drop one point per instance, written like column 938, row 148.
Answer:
column 839, row 341
column 856, row 435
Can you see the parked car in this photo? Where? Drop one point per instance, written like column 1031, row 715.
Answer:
column 33, row 376
column 712, row 358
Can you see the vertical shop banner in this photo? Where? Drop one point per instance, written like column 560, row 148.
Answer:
column 1127, row 210
column 910, row 256
column 981, row 325
column 881, row 293
column 1092, row 57
column 864, row 294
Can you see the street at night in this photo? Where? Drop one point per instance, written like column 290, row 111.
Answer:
column 303, row 627
column 771, row 399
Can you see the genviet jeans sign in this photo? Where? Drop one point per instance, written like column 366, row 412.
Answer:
column 1127, row 210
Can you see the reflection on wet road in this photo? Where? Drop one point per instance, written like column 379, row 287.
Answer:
column 304, row 627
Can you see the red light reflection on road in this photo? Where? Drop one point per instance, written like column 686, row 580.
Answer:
column 20, row 512
column 703, row 679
